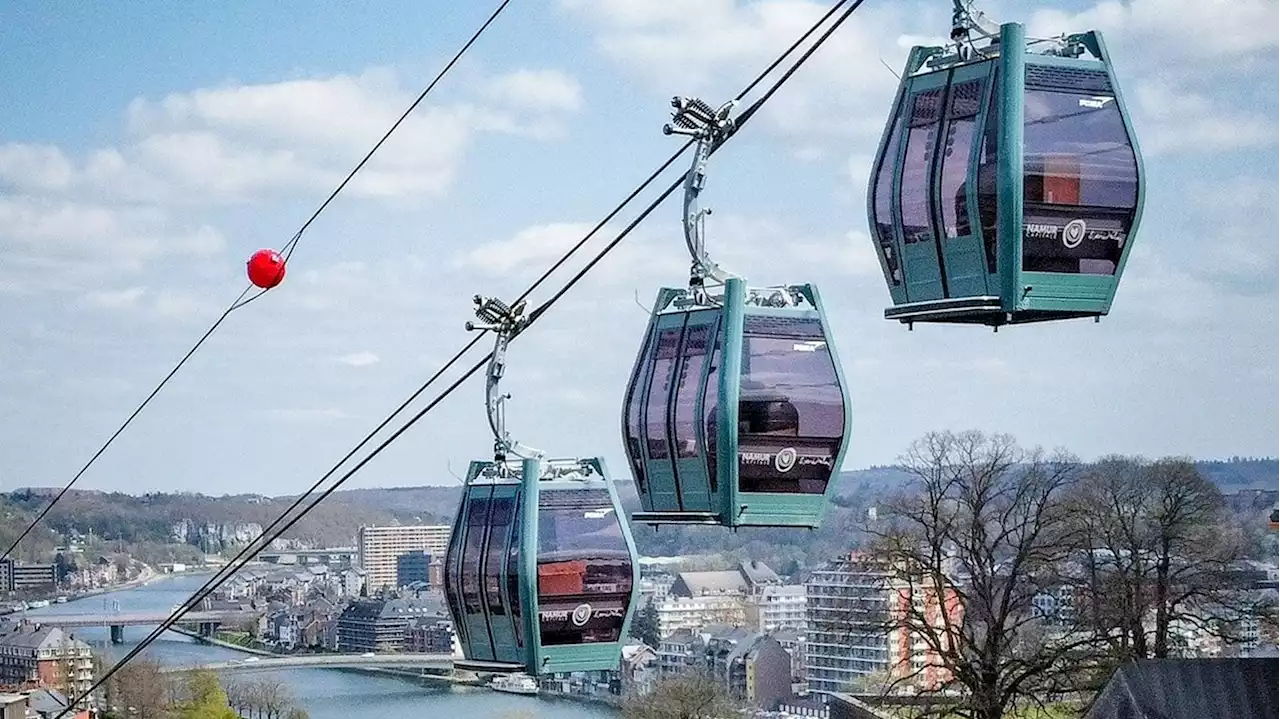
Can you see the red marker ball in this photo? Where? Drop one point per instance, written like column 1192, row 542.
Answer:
column 266, row 268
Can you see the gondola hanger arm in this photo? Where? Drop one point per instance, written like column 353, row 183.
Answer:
column 505, row 321
column 710, row 128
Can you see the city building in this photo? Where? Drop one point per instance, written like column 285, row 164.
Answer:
column 856, row 611
column 694, row 613
column 778, row 607
column 639, row 669
column 31, row 577
column 847, row 635
column 379, row 547
column 678, row 652
column 13, row 706
column 382, row 625
column 431, row 637
column 413, row 567
column 750, row 596
column 26, row 577
column 34, row 656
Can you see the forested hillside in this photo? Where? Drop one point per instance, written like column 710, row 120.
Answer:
column 217, row 524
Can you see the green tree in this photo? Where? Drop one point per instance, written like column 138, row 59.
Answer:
column 206, row 699
column 645, row 626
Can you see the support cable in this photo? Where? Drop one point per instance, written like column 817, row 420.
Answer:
column 248, row 295
column 284, row 522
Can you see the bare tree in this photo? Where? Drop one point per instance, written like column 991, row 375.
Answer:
column 694, row 695
column 238, row 694
column 966, row 551
column 140, row 685
column 1157, row 551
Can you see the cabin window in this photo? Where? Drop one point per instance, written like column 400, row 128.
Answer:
column 988, row 199
column 634, row 409
column 452, row 575
column 962, row 114
column 584, row 568
column 664, row 360
column 882, row 204
column 500, row 510
column 1080, row 182
column 791, row 408
column 697, row 341
column 913, row 207
column 710, row 403
column 472, row 549
column 513, row 571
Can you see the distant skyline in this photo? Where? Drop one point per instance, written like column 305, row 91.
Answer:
column 152, row 148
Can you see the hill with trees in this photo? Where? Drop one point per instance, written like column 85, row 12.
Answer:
column 157, row 523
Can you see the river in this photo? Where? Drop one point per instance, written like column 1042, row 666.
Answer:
column 324, row 693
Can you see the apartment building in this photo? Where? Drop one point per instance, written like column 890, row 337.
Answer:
column 847, row 637
column 34, row 656
column 855, row 610
column 380, row 547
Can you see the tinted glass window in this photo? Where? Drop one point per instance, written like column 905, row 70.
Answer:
column 472, row 550
column 584, row 568
column 500, row 516
column 634, row 409
column 987, row 198
column 452, row 572
column 791, row 409
column 710, row 402
column 913, row 208
column 513, row 571
column 664, row 360
column 1080, row 182
column 881, row 201
column 697, row 340
column 965, row 102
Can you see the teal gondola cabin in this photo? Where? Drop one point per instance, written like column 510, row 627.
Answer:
column 1008, row 186
column 540, row 574
column 736, row 413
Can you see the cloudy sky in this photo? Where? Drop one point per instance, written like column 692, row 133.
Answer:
column 145, row 152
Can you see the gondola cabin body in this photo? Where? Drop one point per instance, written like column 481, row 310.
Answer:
column 736, row 413
column 540, row 575
column 1008, row 186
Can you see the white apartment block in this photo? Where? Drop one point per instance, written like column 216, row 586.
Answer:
column 779, row 607
column 694, row 613
column 379, row 547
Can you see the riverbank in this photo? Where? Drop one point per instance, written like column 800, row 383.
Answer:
column 324, row 693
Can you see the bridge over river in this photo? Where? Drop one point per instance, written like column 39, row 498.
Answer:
column 442, row 662
column 207, row 621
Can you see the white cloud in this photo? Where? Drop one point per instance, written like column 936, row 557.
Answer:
column 359, row 359
column 1201, row 28
column 534, row 245
column 115, row 299
column 536, row 89
column 238, row 142
column 1171, row 118
column 50, row 231
column 718, row 48
column 41, row 167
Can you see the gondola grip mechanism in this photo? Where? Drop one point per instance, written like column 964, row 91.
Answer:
column 505, row 321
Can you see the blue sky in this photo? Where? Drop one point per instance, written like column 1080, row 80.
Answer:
column 146, row 152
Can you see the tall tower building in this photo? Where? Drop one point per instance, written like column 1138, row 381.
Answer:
column 380, row 546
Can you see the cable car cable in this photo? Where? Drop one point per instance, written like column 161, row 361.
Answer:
column 276, row 531
column 129, row 420
column 241, row 301
column 289, row 247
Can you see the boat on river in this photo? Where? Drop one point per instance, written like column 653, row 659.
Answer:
column 514, row 684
